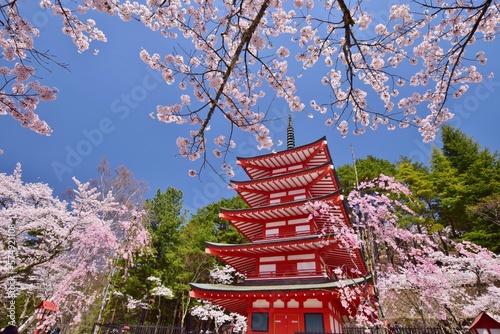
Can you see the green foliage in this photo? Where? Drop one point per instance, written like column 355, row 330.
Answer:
column 485, row 217
column 459, row 149
column 454, row 192
column 451, row 190
column 218, row 229
column 165, row 218
column 424, row 195
column 205, row 225
column 473, row 176
column 177, row 257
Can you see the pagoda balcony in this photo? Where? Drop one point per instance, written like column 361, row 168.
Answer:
column 288, row 235
column 287, row 275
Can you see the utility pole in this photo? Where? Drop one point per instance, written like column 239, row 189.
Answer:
column 354, row 164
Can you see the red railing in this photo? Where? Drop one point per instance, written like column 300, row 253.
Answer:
column 283, row 235
column 287, row 274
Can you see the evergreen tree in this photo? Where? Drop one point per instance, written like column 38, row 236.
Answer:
column 475, row 179
column 135, row 287
column 460, row 150
column 451, row 190
column 417, row 178
column 485, row 216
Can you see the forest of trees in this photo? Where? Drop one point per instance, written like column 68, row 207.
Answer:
column 454, row 199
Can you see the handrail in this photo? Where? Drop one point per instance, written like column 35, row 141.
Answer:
column 287, row 235
column 288, row 274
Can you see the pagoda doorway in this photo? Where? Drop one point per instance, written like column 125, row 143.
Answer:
column 286, row 323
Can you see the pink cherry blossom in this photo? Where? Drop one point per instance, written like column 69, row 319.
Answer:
column 244, row 56
column 63, row 246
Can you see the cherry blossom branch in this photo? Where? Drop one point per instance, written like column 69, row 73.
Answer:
column 229, row 52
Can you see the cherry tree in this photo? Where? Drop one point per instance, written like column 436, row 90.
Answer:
column 234, row 60
column 216, row 313
column 152, row 297
column 415, row 278
column 209, row 311
column 56, row 250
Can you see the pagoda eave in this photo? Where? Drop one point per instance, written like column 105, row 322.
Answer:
column 319, row 181
column 238, row 298
column 277, row 288
column 243, row 257
column 264, row 165
column 335, row 197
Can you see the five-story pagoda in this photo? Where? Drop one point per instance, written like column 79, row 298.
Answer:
column 290, row 262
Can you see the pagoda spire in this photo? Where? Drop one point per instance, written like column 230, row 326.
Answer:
column 290, row 138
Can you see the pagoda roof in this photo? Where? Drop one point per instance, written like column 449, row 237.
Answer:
column 238, row 298
column 484, row 320
column 244, row 257
column 319, row 181
column 251, row 221
column 312, row 154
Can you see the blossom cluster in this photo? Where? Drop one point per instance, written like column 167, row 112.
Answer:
column 414, row 264
column 224, row 275
column 159, row 290
column 236, row 57
column 209, row 311
column 64, row 247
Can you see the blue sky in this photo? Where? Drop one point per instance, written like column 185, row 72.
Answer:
column 103, row 109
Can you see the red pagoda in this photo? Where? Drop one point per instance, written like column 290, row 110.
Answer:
column 290, row 283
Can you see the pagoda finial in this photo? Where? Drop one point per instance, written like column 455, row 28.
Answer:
column 290, row 138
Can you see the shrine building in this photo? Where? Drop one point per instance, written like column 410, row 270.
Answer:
column 289, row 262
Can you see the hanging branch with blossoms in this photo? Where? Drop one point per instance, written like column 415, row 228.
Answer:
column 20, row 92
column 235, row 60
column 104, row 232
column 357, row 299
column 375, row 207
